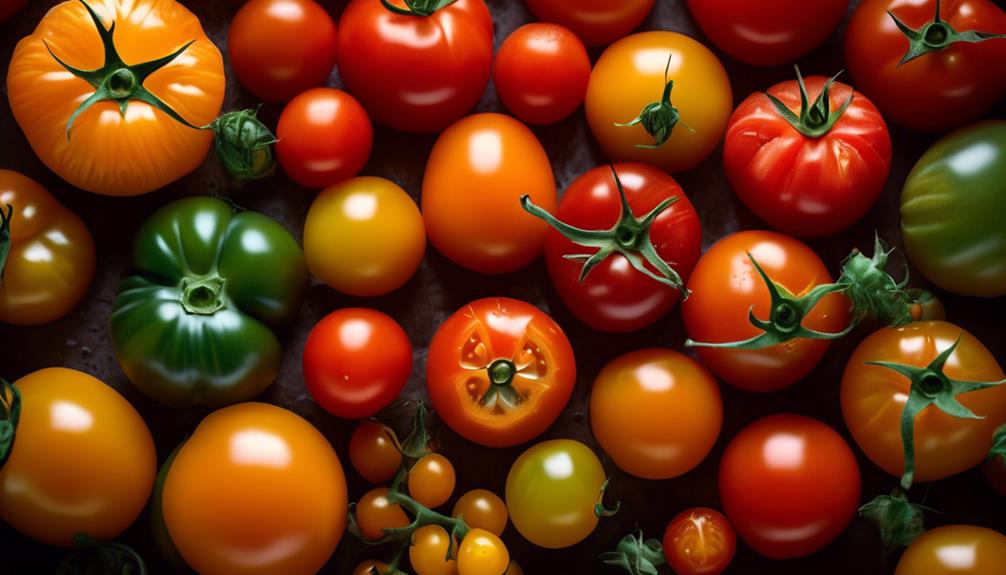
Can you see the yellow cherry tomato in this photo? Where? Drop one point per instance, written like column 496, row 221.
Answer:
column 431, row 480
column 482, row 553
column 428, row 552
column 955, row 550
column 83, row 460
column 514, row 569
column 482, row 509
column 364, row 236
column 375, row 513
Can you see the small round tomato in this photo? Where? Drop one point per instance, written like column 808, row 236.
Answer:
column 699, row 541
column 364, row 237
column 655, row 412
column 356, row 362
column 596, row 22
column 482, row 509
column 636, row 73
column 955, row 550
column 499, row 371
column 726, row 287
column 789, row 484
column 83, row 460
column 375, row 513
column 324, row 137
column 280, row 48
column 367, row 567
column 431, row 480
column 482, row 553
column 477, row 172
column 514, row 569
column 541, row 73
column 373, row 452
column 551, row 492
column 428, row 552
column 252, row 478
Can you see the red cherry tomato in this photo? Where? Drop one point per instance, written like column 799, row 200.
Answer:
column 356, row 362
column 699, row 541
column 789, row 484
column 596, row 22
column 373, row 451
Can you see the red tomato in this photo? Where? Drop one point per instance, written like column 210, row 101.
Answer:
column 699, row 541
column 596, row 22
column 541, row 73
column 768, row 32
column 356, row 362
column 499, row 371
column 798, row 179
column 279, row 48
column 417, row 73
column 789, row 484
column 324, row 138
column 942, row 89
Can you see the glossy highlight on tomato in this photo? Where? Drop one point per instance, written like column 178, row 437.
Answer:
column 955, row 550
column 596, row 22
column 699, row 541
column 482, row 509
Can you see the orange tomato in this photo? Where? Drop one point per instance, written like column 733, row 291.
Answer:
column 375, row 513
column 431, row 480
column 482, row 509
column 428, row 552
column 955, row 550
column 482, row 553
column 373, row 452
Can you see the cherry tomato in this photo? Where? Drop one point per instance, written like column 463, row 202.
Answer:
column 477, row 172
column 428, row 552
column 374, row 514
column 655, row 412
column 499, row 371
column 280, row 48
column 630, row 75
column 367, row 567
column 431, row 480
column 514, row 569
column 942, row 89
column 417, row 73
column 699, row 541
column 252, row 478
column 955, row 550
column 482, row 509
column 789, row 484
column 995, row 472
column 725, row 286
column 356, row 362
column 373, row 453
column 364, row 236
column 83, row 460
column 541, row 73
column 482, row 553
column 596, row 22
column 324, row 137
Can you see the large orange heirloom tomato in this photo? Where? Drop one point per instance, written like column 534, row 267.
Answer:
column 109, row 93
column 46, row 253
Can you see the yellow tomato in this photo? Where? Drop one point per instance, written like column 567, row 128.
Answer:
column 482, row 509
column 364, row 237
column 83, row 460
column 955, row 550
column 482, row 553
column 428, row 552
column 629, row 76
column 51, row 259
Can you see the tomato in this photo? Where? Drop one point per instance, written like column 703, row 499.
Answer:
column 767, row 33
column 874, row 397
column 418, row 71
column 655, row 412
column 699, row 541
column 83, row 460
column 50, row 264
column 499, row 371
column 249, row 480
column 951, row 210
column 482, row 553
column 324, row 136
column 955, row 550
column 367, row 567
column 373, row 452
column 789, row 484
column 541, row 73
column 280, row 48
column 431, row 480
column 950, row 83
column 514, row 569
column 596, row 22
column 375, row 513
column 356, row 362
column 428, row 552
column 551, row 491
column 141, row 148
column 477, row 172
column 482, row 509
column 694, row 119
column 815, row 171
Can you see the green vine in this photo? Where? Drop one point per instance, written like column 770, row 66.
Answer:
column 935, row 36
column 658, row 118
column 5, row 237
column 636, row 555
column 10, row 415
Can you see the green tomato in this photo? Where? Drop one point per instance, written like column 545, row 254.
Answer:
column 192, row 326
column 952, row 211
column 551, row 492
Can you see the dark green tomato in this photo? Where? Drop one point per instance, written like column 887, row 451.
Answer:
column 952, row 211
column 192, row 326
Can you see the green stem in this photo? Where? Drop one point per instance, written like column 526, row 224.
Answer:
column 658, row 118
column 10, row 415
column 501, row 390
column 936, row 35
column 5, row 237
column 203, row 296
column 419, row 8
column 816, row 119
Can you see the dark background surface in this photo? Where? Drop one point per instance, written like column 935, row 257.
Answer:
column 80, row 340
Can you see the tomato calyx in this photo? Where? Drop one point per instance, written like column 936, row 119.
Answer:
column 636, row 555
column 898, row 520
column 202, row 296
column 501, row 390
column 244, row 144
column 5, row 239
column 600, row 510
column 658, row 118
column 101, row 557
column 935, row 36
column 998, row 445
column 817, row 119
column 417, row 7
column 10, row 415
column 630, row 237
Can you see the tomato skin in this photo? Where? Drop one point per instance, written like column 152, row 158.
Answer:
column 366, row 567
column 416, row 73
column 725, row 285
column 615, row 297
column 873, row 397
column 541, row 73
column 800, row 185
column 83, row 460
column 482, row 553
column 699, row 541
column 373, row 453
column 938, row 552
column 638, row 389
column 431, row 480
column 482, row 509
column 427, row 553
column 356, row 362
column 477, row 172
column 596, row 22
column 280, row 48
column 995, row 472
column 789, row 484
column 375, row 513
column 939, row 90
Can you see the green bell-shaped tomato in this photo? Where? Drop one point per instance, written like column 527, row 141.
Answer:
column 191, row 327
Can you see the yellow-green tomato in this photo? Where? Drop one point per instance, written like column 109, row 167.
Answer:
column 364, row 236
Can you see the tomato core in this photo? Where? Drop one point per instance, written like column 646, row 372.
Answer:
column 121, row 83
column 202, row 297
